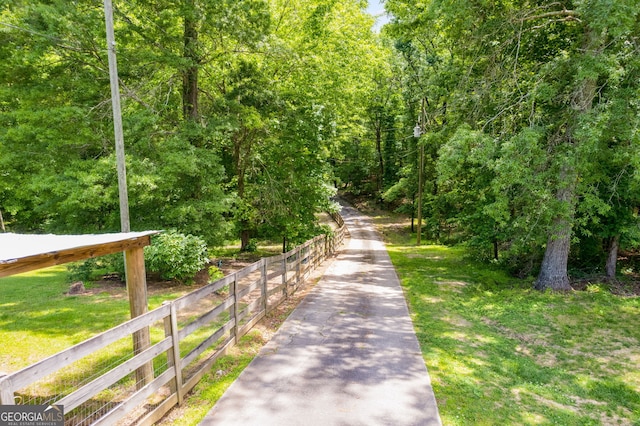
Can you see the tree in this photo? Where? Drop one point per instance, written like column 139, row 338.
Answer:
column 542, row 73
column 595, row 50
column 230, row 113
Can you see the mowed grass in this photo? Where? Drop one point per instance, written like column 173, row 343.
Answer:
column 37, row 318
column 501, row 353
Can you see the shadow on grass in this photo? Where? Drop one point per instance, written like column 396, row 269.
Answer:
column 37, row 304
column 501, row 353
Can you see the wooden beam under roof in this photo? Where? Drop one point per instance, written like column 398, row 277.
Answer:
column 25, row 252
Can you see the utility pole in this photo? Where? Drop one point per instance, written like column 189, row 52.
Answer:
column 417, row 132
column 133, row 258
column 117, row 118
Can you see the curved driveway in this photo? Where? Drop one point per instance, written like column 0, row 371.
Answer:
column 347, row 355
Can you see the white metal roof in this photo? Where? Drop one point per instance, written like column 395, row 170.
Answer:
column 24, row 252
column 16, row 246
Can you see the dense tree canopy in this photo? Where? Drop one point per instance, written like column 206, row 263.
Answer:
column 242, row 117
column 534, row 119
column 231, row 109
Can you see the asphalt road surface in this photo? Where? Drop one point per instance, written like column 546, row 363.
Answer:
column 347, row 355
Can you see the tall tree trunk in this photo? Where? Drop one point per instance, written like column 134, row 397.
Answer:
column 553, row 271
column 379, row 149
column 190, row 75
column 612, row 256
column 245, row 235
column 240, row 154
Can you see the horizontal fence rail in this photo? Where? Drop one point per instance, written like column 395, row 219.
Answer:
column 96, row 380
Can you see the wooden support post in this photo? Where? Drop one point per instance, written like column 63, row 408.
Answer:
column 298, row 266
column 325, row 253
column 420, row 191
column 171, row 361
column 325, row 249
column 314, row 253
column 423, row 115
column 177, row 362
column 137, row 289
column 173, row 354
column 117, row 118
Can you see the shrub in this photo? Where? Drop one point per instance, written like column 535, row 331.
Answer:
column 97, row 267
column 176, row 256
column 252, row 247
column 215, row 273
column 82, row 271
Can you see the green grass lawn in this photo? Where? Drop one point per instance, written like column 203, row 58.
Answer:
column 38, row 319
column 501, row 353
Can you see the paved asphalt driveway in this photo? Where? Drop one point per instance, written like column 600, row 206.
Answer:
column 347, row 355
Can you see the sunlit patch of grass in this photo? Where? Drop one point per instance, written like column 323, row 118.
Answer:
column 38, row 319
column 501, row 353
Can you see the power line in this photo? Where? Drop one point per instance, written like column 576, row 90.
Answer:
column 59, row 42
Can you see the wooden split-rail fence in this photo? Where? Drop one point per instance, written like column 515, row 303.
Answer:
column 95, row 381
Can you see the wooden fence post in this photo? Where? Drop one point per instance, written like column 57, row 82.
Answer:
column 137, row 289
column 285, row 281
column 330, row 241
column 173, row 354
column 233, row 287
column 324, row 247
column 298, row 265
column 171, row 361
column 6, row 394
column 265, row 287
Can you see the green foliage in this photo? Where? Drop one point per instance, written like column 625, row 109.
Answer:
column 215, row 273
column 252, row 247
column 249, row 157
column 533, row 138
column 176, row 256
column 536, row 100
column 82, row 271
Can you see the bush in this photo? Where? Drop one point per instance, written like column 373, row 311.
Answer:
column 176, row 256
column 97, row 267
column 82, row 271
column 215, row 273
column 252, row 247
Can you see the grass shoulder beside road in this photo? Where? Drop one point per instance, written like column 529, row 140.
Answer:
column 499, row 352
